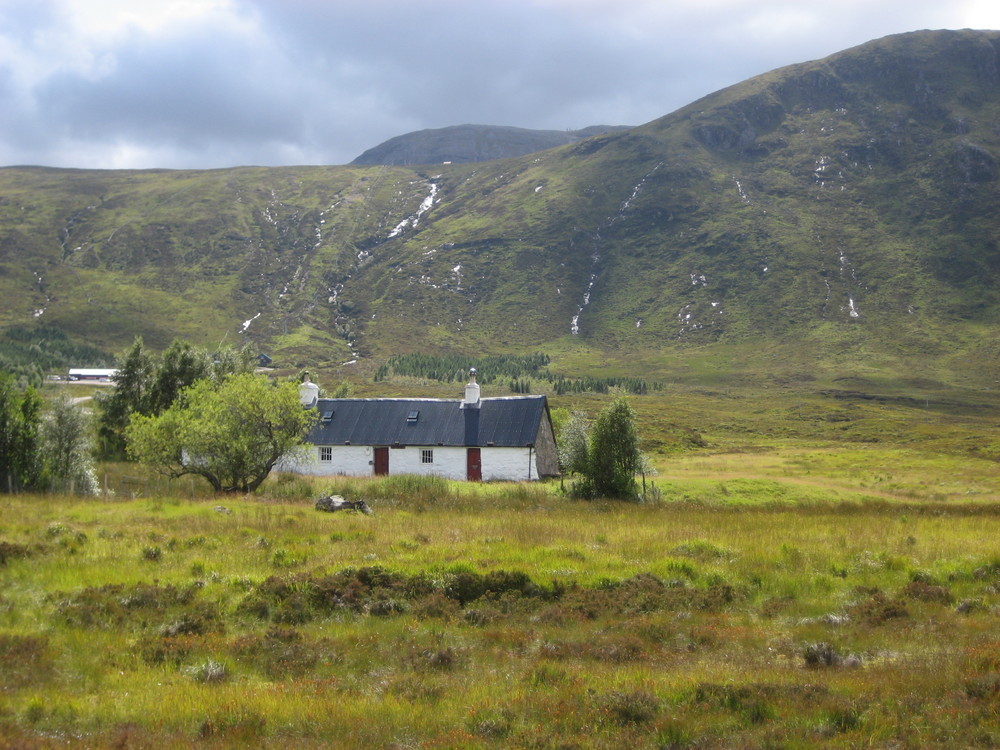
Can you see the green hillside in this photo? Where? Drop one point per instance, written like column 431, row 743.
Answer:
column 834, row 219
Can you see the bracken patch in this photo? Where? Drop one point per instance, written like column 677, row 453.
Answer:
column 24, row 660
column 879, row 609
column 928, row 592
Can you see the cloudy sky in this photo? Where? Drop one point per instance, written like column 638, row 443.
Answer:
column 115, row 84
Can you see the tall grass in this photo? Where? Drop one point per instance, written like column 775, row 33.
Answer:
column 495, row 615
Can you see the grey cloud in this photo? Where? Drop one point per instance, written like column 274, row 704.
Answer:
column 319, row 82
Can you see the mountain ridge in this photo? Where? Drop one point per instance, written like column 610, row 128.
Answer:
column 461, row 144
column 835, row 218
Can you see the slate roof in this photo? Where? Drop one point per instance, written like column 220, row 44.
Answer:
column 504, row 422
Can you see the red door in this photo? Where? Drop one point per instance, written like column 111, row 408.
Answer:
column 473, row 465
column 381, row 462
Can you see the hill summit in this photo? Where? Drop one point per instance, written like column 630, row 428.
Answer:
column 461, row 144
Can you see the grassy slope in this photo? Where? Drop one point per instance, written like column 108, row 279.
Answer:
column 732, row 236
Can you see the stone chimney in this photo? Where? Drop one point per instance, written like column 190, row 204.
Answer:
column 308, row 393
column 471, row 400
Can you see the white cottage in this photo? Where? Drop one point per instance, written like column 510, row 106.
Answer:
column 508, row 438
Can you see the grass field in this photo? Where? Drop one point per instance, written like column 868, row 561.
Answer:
column 786, row 594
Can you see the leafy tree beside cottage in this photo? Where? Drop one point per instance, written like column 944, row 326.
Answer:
column 149, row 385
column 231, row 433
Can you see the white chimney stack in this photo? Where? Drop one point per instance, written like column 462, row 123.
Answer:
column 308, row 393
column 471, row 400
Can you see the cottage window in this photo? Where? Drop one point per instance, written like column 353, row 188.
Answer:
column 427, row 456
column 325, row 453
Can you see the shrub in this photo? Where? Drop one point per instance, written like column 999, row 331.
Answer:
column 844, row 718
column 24, row 660
column 210, row 671
column 928, row 592
column 879, row 609
column 613, row 457
column 10, row 551
column 983, row 687
column 280, row 654
column 821, row 655
column 635, row 707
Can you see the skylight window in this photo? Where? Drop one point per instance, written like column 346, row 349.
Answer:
column 327, row 415
column 413, row 415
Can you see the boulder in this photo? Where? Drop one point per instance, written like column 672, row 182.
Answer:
column 333, row 503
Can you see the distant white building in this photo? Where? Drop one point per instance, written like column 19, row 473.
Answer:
column 104, row 376
column 507, row 438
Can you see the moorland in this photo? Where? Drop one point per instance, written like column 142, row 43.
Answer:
column 796, row 277
column 827, row 576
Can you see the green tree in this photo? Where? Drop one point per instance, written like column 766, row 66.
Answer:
column 605, row 457
column 227, row 360
column 574, row 444
column 148, row 385
column 66, row 447
column 133, row 380
column 615, row 457
column 20, row 417
column 231, row 433
column 180, row 366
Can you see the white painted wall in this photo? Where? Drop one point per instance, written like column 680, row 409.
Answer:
column 508, row 463
column 351, row 460
column 449, row 462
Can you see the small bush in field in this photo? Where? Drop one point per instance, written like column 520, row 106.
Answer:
column 879, row 609
column 10, row 551
column 821, row 655
column 282, row 558
column 928, row 592
column 111, row 605
column 200, row 619
column 700, row 549
column 294, row 610
column 443, row 658
column 620, row 650
column 844, row 718
column 635, row 707
column 24, row 659
column 166, row 651
column 491, row 724
column 386, row 607
column 438, row 606
column 983, row 687
column 209, row 671
column 281, row 653
column 673, row 736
